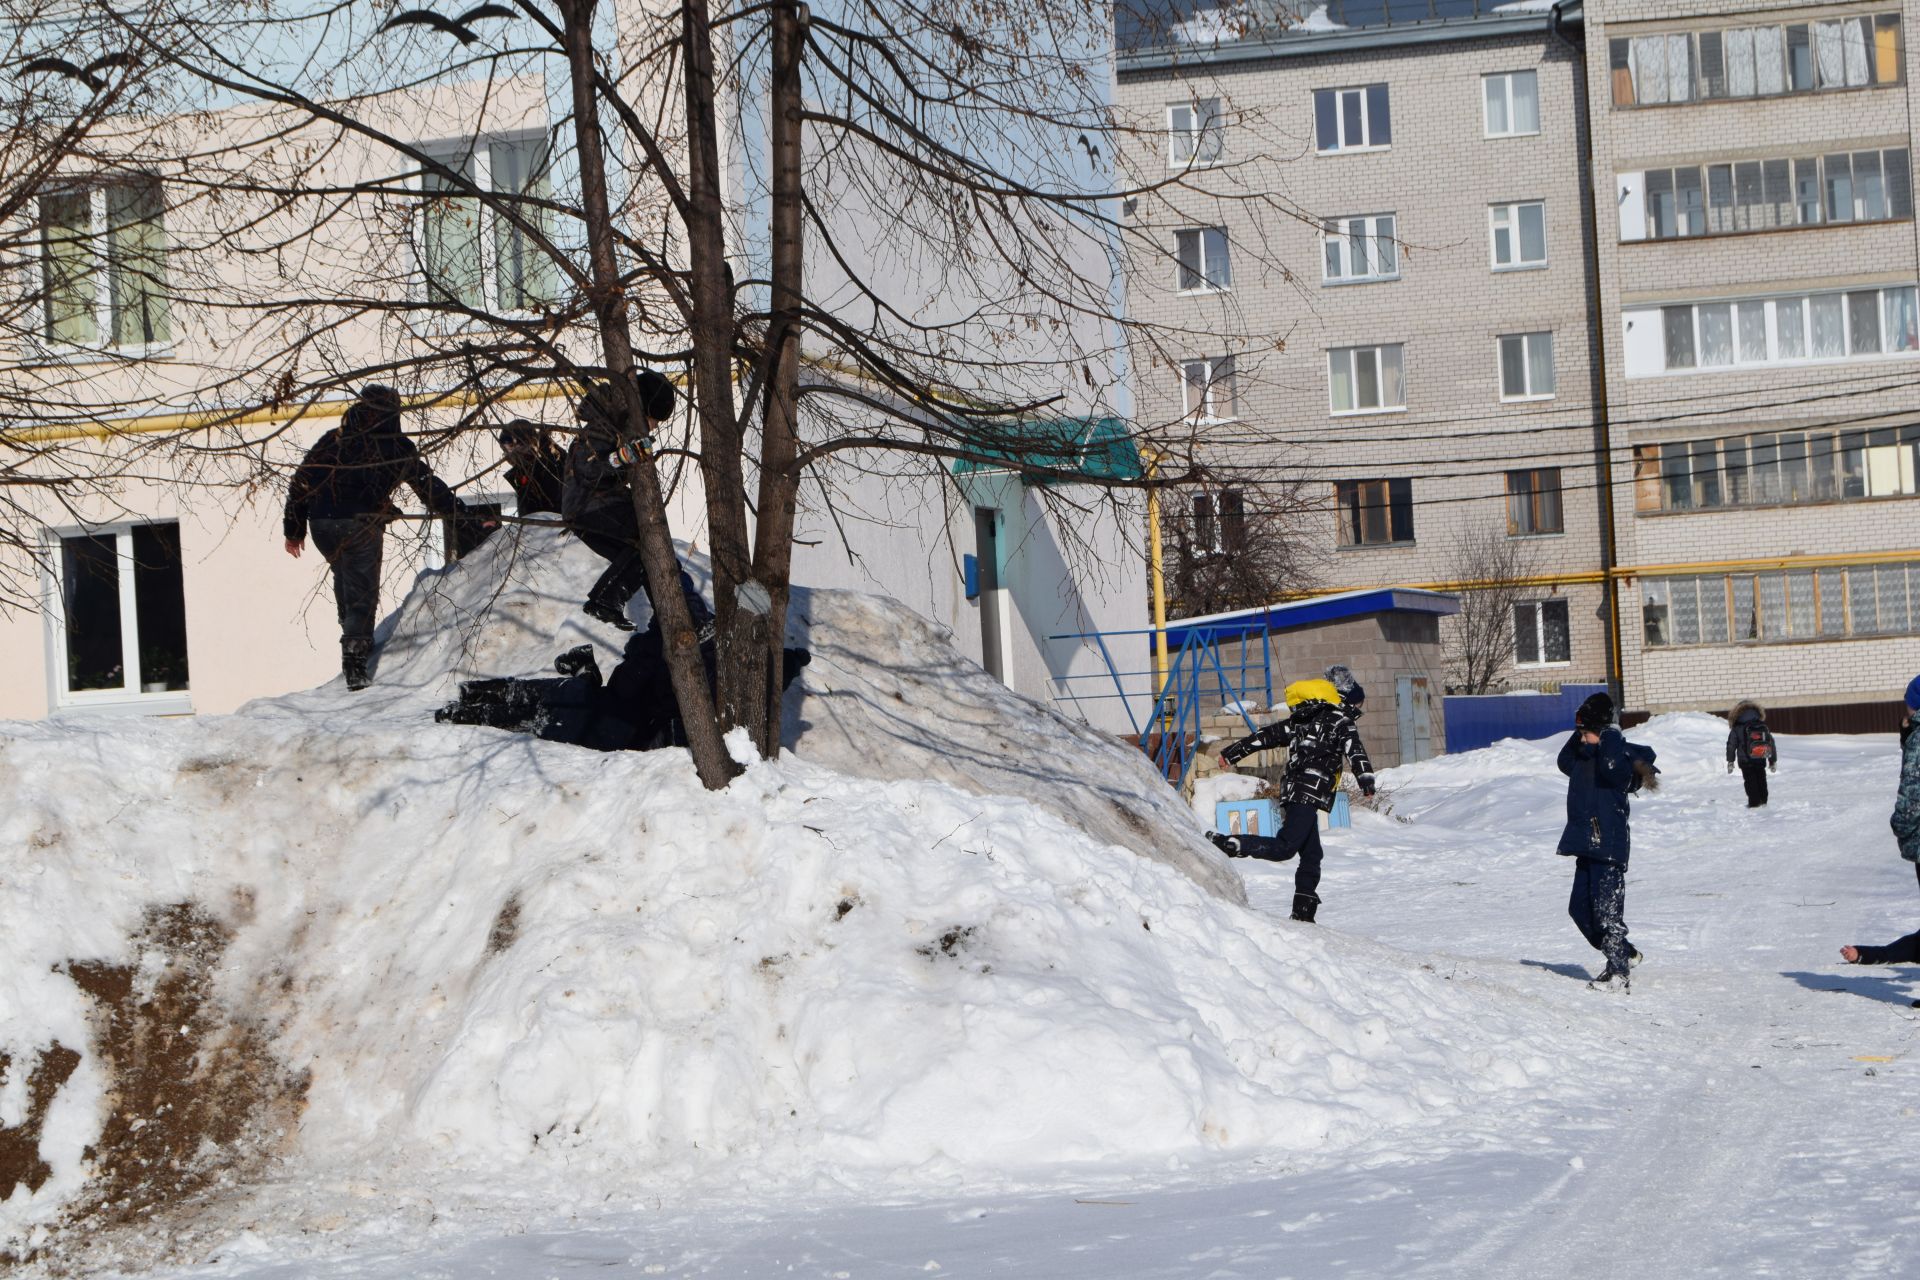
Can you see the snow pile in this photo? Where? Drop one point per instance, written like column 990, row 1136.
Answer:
column 418, row 959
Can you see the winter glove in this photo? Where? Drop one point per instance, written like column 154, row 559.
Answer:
column 1366, row 785
column 1773, row 766
column 1729, row 766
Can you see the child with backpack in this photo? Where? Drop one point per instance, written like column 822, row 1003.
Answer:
column 1320, row 735
column 1750, row 745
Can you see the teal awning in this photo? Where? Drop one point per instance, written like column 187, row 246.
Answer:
column 1039, row 450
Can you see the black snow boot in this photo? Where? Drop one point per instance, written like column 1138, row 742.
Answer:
column 578, row 661
column 1611, row 981
column 601, row 611
column 1304, row 905
column 1227, row 844
column 355, row 652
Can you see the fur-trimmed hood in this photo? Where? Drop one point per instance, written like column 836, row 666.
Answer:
column 1746, row 710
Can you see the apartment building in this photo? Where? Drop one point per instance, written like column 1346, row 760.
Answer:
column 1752, row 267
column 1762, row 345
column 1408, row 290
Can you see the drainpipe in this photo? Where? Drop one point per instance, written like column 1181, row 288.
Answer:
column 1156, row 572
column 1596, row 328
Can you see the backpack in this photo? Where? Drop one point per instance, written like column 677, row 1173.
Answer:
column 1759, row 741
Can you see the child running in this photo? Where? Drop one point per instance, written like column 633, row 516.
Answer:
column 1750, row 745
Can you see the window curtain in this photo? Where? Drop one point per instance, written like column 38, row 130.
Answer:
column 1740, row 71
column 1393, row 388
column 1513, row 366
column 1526, row 102
column 1789, row 325
column 526, row 275
column 1770, row 60
column 136, row 265
column 1386, row 257
column 1650, row 68
column 1829, row 328
column 1679, row 68
column 450, row 236
column 1716, row 335
column 1540, row 364
column 1903, row 323
column 1853, row 41
column 1829, row 55
column 66, row 228
column 1753, row 332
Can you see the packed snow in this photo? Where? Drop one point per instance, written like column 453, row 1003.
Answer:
column 324, row 974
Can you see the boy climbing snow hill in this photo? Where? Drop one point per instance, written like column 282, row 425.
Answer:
column 1750, row 745
column 1319, row 736
column 1602, row 770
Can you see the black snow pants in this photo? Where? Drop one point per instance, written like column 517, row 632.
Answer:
column 352, row 546
column 1299, row 834
column 1904, row 951
column 612, row 532
column 1598, row 906
column 1754, row 775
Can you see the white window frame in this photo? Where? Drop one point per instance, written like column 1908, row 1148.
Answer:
column 1507, row 217
column 1379, row 350
column 450, row 152
column 1226, row 261
column 1741, row 359
column 1217, row 372
column 1195, row 134
column 129, row 698
column 1540, row 634
column 1506, row 79
column 1344, row 238
column 1343, row 147
column 97, row 233
column 1526, row 341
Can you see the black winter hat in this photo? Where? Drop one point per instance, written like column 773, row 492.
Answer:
column 1596, row 713
column 601, row 407
column 1352, row 694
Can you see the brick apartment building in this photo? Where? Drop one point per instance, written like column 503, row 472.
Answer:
column 1504, row 242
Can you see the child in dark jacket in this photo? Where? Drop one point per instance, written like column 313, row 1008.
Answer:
column 1320, row 735
column 1602, row 769
column 1750, row 745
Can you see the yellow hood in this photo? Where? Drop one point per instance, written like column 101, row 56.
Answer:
column 1315, row 690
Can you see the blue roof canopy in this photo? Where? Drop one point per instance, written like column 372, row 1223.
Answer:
column 1242, row 623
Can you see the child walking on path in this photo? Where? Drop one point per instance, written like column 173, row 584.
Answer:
column 1320, row 736
column 1602, row 769
column 1750, row 745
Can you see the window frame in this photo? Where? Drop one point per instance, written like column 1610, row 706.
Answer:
column 1344, row 239
column 1538, row 609
column 1224, row 521
column 1202, row 412
column 1365, row 92
column 129, row 698
column 1486, row 114
column 1226, row 261
column 1353, row 381
column 1886, row 310
column 1349, row 499
column 1526, row 341
column 1700, row 80
column 1531, row 495
column 478, row 149
column 1206, row 124
column 99, row 246
column 1513, row 210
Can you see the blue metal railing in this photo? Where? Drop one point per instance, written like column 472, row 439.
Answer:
column 1198, row 677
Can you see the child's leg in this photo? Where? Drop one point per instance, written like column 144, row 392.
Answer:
column 1580, row 903
column 1288, row 841
column 1755, row 778
column 1609, row 887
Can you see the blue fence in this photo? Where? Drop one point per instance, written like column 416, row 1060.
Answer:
column 1475, row 722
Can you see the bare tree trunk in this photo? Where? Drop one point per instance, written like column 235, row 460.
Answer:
column 759, row 666
column 710, row 758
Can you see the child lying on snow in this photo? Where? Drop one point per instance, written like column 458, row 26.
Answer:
column 634, row 709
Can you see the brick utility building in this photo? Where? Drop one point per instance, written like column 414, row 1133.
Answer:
column 1629, row 285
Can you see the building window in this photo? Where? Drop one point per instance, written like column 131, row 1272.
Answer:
column 118, row 227
column 1541, row 636
column 1219, row 522
column 118, row 617
column 1761, row 195
column 1824, row 326
column 1526, row 366
column 1519, row 235
column 1533, row 503
column 1209, row 389
column 1778, row 468
column 1360, row 249
column 1204, row 262
column 1194, row 132
column 1351, row 119
column 1366, row 379
column 1374, row 513
column 1782, row 606
column 473, row 258
column 1512, row 101
column 1853, row 52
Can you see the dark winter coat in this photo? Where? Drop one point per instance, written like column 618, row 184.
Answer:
column 592, row 480
column 1319, row 737
column 1599, row 779
column 1746, row 718
column 1906, row 804
column 537, row 488
column 354, row 469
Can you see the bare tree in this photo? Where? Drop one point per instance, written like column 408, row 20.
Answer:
column 1239, row 547
column 1493, row 569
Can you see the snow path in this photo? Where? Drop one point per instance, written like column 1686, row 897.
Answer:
column 1755, row 1113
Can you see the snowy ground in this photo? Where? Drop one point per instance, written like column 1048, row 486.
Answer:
column 1752, row 1112
column 838, row 1023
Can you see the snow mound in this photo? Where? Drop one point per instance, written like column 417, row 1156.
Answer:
column 324, row 940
